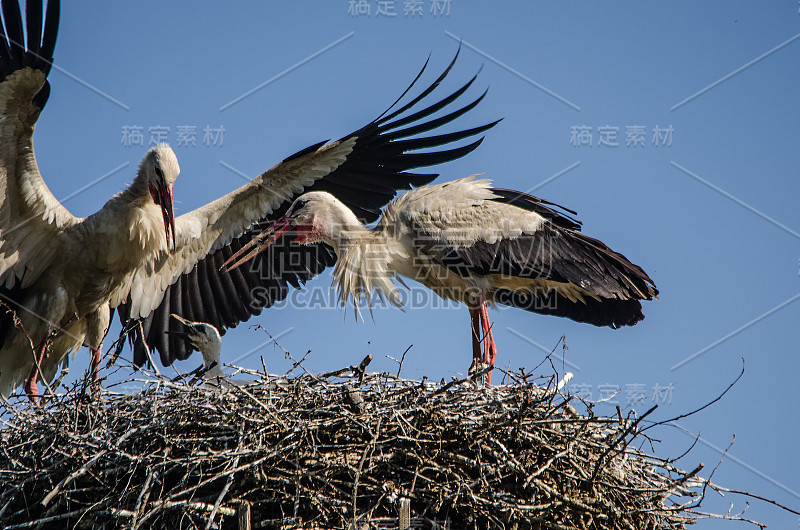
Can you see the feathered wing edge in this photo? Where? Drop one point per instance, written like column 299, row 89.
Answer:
column 15, row 55
column 377, row 167
column 585, row 280
column 37, row 51
column 572, row 275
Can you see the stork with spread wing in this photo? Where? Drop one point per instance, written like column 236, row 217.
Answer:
column 61, row 275
column 475, row 244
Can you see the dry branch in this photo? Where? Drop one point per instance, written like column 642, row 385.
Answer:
column 303, row 452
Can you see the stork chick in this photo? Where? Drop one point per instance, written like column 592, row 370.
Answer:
column 475, row 244
column 205, row 338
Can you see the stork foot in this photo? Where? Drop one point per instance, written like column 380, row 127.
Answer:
column 477, row 366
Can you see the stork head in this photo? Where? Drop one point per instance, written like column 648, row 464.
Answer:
column 160, row 167
column 316, row 215
column 202, row 336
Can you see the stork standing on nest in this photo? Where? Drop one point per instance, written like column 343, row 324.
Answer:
column 474, row 244
column 61, row 275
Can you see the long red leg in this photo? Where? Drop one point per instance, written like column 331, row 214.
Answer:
column 489, row 347
column 95, row 367
column 30, row 384
column 475, row 316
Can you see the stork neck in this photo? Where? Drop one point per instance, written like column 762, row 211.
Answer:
column 138, row 190
column 136, row 195
column 346, row 232
column 211, row 354
column 362, row 271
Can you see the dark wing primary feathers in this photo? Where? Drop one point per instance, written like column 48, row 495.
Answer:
column 225, row 300
column 610, row 312
column 547, row 209
column 569, row 257
column 385, row 150
column 41, row 42
column 559, row 253
column 379, row 165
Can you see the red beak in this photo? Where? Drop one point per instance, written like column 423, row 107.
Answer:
column 163, row 197
column 274, row 231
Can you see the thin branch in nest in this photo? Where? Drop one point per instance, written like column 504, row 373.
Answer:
column 300, row 456
column 400, row 362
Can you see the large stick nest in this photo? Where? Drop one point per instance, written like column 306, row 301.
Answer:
column 332, row 452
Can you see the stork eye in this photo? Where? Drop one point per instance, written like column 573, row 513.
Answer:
column 159, row 173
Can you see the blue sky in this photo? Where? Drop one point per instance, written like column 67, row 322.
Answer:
column 709, row 208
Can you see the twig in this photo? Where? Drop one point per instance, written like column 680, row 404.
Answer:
column 222, row 493
column 695, row 411
column 299, row 456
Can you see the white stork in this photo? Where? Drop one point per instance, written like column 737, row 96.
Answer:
column 474, row 244
column 60, row 275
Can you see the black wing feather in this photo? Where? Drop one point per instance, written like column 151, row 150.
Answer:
column 609, row 312
column 33, row 21
column 37, row 53
column 12, row 17
column 558, row 252
column 50, row 34
column 540, row 206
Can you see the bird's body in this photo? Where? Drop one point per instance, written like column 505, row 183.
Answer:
column 418, row 229
column 474, row 244
column 71, row 274
column 61, row 275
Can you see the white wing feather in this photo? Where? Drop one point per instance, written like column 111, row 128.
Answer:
column 459, row 213
column 30, row 216
column 216, row 224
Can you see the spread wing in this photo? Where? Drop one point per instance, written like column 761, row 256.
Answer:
column 533, row 255
column 29, row 213
column 30, row 216
column 364, row 170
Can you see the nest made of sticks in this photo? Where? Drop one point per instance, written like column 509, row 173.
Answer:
column 331, row 451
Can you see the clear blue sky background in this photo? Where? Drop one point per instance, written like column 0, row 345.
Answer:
column 712, row 217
